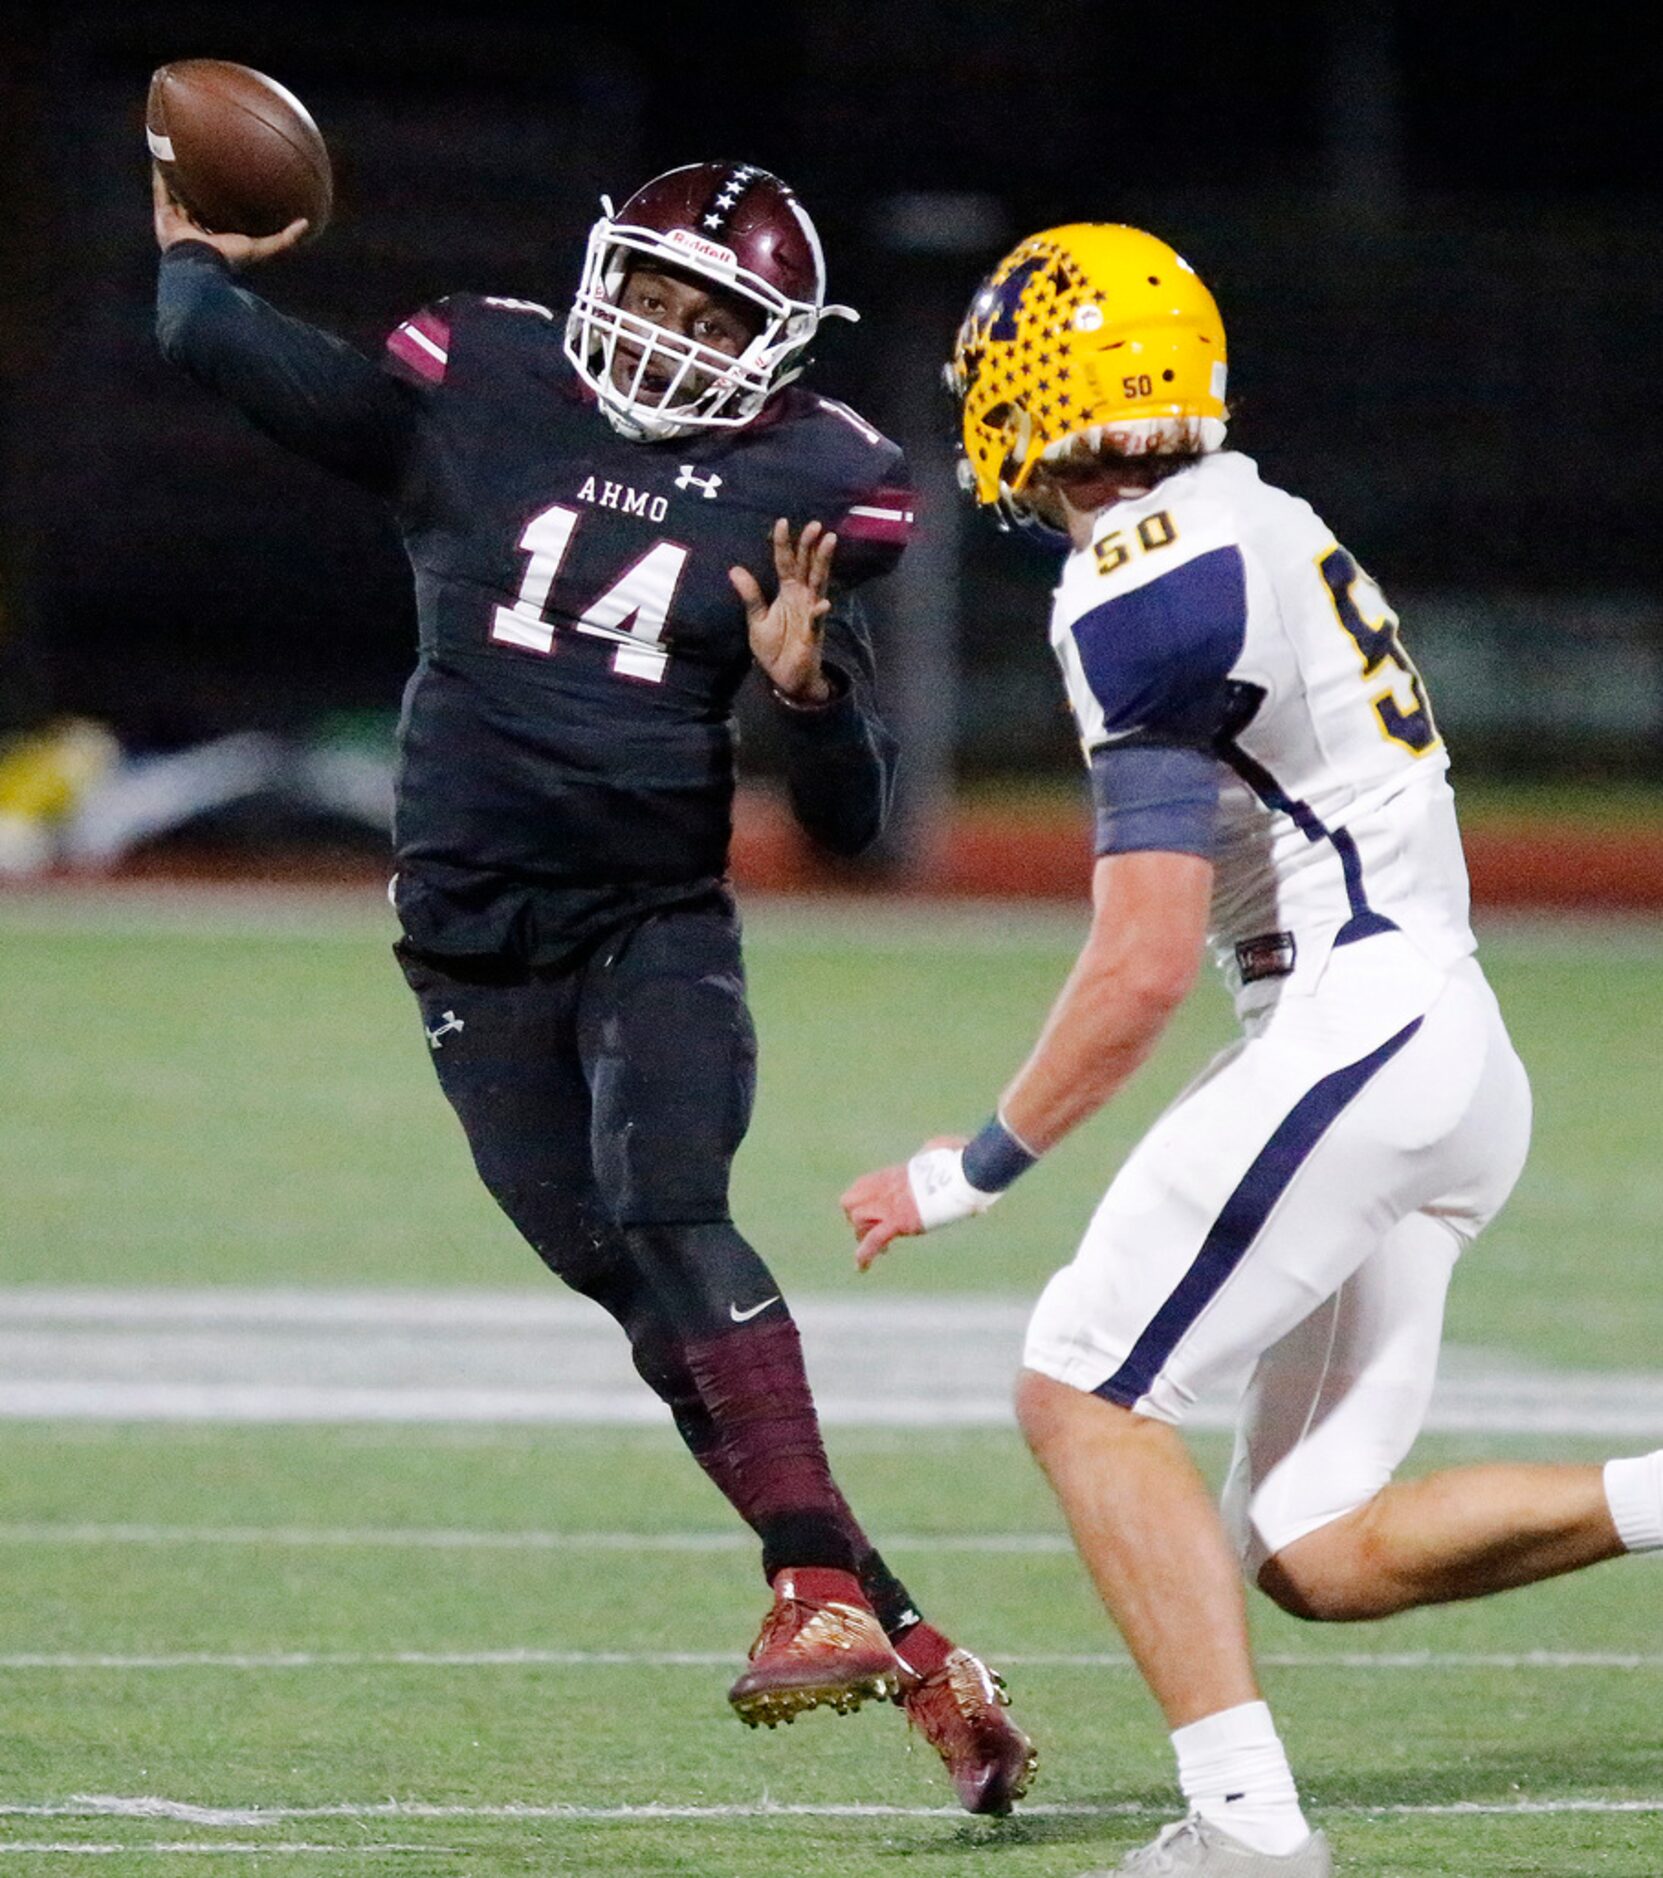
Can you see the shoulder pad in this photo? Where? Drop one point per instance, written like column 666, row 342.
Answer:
column 850, row 417
column 518, row 306
column 1146, row 540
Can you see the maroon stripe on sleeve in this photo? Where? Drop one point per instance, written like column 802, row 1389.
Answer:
column 886, row 515
column 422, row 346
column 432, row 326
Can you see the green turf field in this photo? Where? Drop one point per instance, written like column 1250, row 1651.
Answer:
column 427, row 1649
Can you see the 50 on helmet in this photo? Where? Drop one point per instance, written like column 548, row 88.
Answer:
column 1094, row 336
column 729, row 226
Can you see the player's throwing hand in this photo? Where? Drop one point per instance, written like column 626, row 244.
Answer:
column 174, row 224
column 785, row 634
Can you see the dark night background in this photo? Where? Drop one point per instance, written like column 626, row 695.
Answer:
column 1434, row 232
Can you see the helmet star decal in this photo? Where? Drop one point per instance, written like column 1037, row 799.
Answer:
column 997, row 305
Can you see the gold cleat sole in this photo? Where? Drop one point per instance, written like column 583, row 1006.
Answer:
column 769, row 1707
column 1030, row 1771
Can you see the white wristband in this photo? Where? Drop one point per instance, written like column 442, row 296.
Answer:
column 939, row 1189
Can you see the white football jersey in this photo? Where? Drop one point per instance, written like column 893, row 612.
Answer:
column 1217, row 613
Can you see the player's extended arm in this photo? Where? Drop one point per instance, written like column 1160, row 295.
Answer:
column 812, row 646
column 1149, row 918
column 1138, row 963
column 303, row 387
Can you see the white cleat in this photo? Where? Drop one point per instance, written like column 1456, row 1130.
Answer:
column 1195, row 1848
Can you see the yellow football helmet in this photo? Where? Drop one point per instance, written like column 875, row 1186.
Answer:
column 1094, row 330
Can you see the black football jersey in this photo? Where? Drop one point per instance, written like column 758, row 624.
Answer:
column 566, row 740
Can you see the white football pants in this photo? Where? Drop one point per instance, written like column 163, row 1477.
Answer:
column 1291, row 1223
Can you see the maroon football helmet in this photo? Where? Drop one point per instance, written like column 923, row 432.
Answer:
column 739, row 229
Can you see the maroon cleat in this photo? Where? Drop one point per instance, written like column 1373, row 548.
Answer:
column 959, row 1708
column 820, row 1646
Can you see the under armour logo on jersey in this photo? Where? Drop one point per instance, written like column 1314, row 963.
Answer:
column 691, row 479
column 437, row 1035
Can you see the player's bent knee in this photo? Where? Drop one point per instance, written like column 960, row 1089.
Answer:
column 705, row 1275
column 1331, row 1575
column 554, row 1220
column 1038, row 1410
column 1050, row 1413
column 1299, row 1595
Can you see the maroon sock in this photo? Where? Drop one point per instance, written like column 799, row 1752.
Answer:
column 773, row 1463
column 879, row 1586
column 922, row 1648
column 699, row 1434
column 819, row 1584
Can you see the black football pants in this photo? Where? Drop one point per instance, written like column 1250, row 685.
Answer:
column 604, row 1103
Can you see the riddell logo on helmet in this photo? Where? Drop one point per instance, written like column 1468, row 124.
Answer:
column 712, row 251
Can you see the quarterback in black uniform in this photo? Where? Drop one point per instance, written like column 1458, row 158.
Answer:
column 596, row 509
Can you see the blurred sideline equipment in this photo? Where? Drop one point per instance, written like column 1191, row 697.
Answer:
column 46, row 778
column 71, row 796
column 236, row 149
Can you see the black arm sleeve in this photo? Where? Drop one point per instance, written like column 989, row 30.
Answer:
column 305, row 388
column 840, row 757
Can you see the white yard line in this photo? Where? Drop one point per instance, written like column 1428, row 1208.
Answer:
column 226, row 1307
column 460, row 1357
column 528, row 1657
column 267, row 1848
column 283, row 1405
column 1581, row 1406
column 98, row 1806
column 392, row 1659
column 445, row 1539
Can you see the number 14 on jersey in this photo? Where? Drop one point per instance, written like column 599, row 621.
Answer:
column 631, row 613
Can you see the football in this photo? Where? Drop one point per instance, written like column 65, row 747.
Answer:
column 236, row 150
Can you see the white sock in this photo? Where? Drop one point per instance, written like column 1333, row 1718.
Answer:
column 1635, row 1492
column 1234, row 1772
